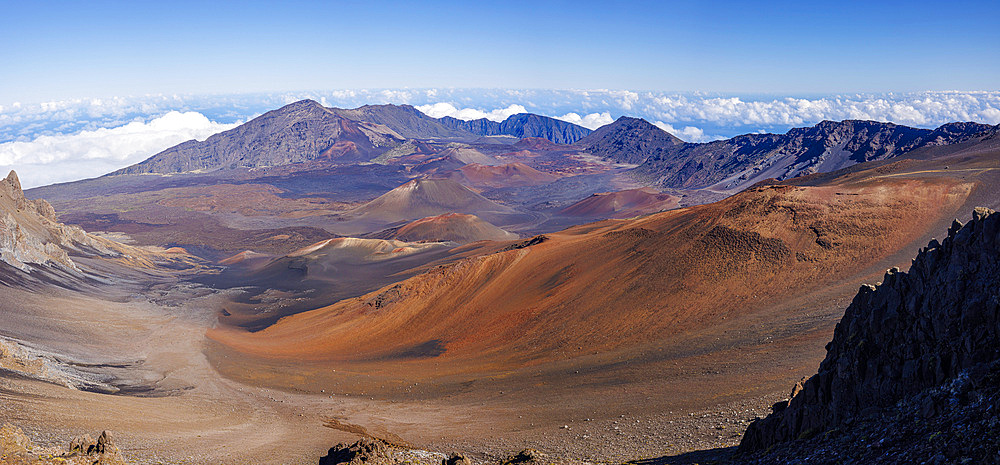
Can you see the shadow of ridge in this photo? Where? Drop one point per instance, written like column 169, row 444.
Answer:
column 702, row 457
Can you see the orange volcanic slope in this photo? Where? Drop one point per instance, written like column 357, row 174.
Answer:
column 622, row 204
column 515, row 174
column 620, row 283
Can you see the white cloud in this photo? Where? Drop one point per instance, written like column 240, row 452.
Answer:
column 589, row 121
column 55, row 158
column 924, row 109
column 688, row 133
column 442, row 109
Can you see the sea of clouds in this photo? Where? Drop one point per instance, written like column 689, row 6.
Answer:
column 59, row 141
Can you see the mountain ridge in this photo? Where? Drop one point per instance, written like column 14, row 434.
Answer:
column 522, row 125
column 743, row 160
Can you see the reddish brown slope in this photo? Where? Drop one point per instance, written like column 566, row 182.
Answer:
column 515, row 174
column 616, row 284
column 450, row 227
column 622, row 204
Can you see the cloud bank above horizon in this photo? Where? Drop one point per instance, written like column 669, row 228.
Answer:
column 56, row 158
column 74, row 139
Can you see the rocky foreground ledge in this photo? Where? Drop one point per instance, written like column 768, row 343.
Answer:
column 17, row 449
column 913, row 372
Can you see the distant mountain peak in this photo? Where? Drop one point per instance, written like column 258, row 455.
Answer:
column 629, row 140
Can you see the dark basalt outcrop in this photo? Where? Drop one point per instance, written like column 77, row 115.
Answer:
column 901, row 341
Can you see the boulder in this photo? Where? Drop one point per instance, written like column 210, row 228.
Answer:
column 456, row 459
column 368, row 451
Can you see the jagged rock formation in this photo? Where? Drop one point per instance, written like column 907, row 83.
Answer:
column 31, row 239
column 365, row 451
column 522, row 125
column 630, row 140
column 914, row 331
column 16, row 448
column 744, row 160
column 375, row 451
column 30, row 234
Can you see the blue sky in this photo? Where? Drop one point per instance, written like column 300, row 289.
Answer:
column 59, row 50
column 89, row 87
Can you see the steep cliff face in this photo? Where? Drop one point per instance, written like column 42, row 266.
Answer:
column 916, row 330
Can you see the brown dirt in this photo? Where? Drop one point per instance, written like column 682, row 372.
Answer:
column 622, row 204
column 744, row 296
column 453, row 227
column 507, row 175
column 617, row 340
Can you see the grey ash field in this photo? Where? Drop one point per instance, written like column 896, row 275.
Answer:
column 318, row 276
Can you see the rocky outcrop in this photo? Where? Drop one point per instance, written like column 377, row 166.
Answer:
column 522, row 125
column 31, row 239
column 456, row 459
column 914, row 331
column 28, row 231
column 17, row 448
column 365, row 451
column 85, row 445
